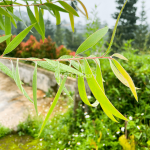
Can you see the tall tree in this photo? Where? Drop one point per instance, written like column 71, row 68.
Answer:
column 142, row 29
column 127, row 23
column 58, row 35
column 19, row 27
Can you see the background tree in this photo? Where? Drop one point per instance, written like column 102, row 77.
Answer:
column 58, row 35
column 142, row 29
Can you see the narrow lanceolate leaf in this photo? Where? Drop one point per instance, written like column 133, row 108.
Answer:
column 55, row 7
column 92, row 40
column 14, row 16
column 57, row 73
column 100, row 95
column 4, row 12
column 2, row 26
column 17, row 80
column 17, row 40
column 34, row 86
column 82, row 92
column 14, row 23
column 115, row 28
column 54, row 103
column 119, row 56
column 71, row 21
column 33, row 21
column 127, row 77
column 36, row 13
column 41, row 21
column 57, row 15
column 84, row 8
column 3, row 38
column 6, row 70
column 68, row 8
column 8, row 28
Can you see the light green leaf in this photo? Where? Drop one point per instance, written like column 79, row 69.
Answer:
column 82, row 92
column 14, row 23
column 57, row 73
column 100, row 95
column 36, row 13
column 55, row 7
column 127, row 77
column 119, row 56
column 33, row 21
column 17, row 40
column 14, row 16
column 2, row 26
column 71, row 21
column 92, row 40
column 54, row 103
column 115, row 28
column 57, row 14
column 6, row 70
column 34, row 86
column 8, row 28
column 4, row 12
column 68, row 8
column 41, row 21
column 64, row 67
column 3, row 38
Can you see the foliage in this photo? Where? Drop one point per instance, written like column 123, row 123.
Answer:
column 4, row 131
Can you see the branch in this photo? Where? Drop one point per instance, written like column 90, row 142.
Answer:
column 69, row 59
column 28, row 5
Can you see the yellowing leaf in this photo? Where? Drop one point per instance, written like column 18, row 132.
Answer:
column 71, row 21
column 119, row 56
column 127, row 77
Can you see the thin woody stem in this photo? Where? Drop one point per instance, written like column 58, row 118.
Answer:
column 28, row 5
column 69, row 59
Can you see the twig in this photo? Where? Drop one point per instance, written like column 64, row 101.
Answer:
column 30, row 59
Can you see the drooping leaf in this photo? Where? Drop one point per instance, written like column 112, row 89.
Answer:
column 7, row 28
column 55, row 7
column 119, row 56
column 41, row 21
column 53, row 104
column 14, row 16
column 57, row 15
column 34, row 86
column 33, row 21
column 71, row 21
column 3, row 38
column 17, row 40
column 84, row 8
column 14, row 23
column 36, row 13
column 100, row 95
column 127, row 77
column 92, row 40
column 2, row 26
column 115, row 28
column 68, row 8
column 82, row 92
column 4, row 12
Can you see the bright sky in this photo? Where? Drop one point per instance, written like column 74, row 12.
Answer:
column 105, row 9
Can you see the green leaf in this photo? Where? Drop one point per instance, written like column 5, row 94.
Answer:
column 6, row 70
column 33, row 21
column 8, row 28
column 3, row 38
column 108, row 108
column 14, row 16
column 34, row 86
column 82, row 92
column 55, row 7
column 17, row 40
column 119, row 56
column 127, row 77
column 92, row 40
column 36, row 13
column 57, row 14
column 2, row 26
column 14, row 23
column 41, row 21
column 57, row 73
column 54, row 103
column 4, row 12
column 64, row 68
column 115, row 28
column 71, row 21
column 68, row 8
